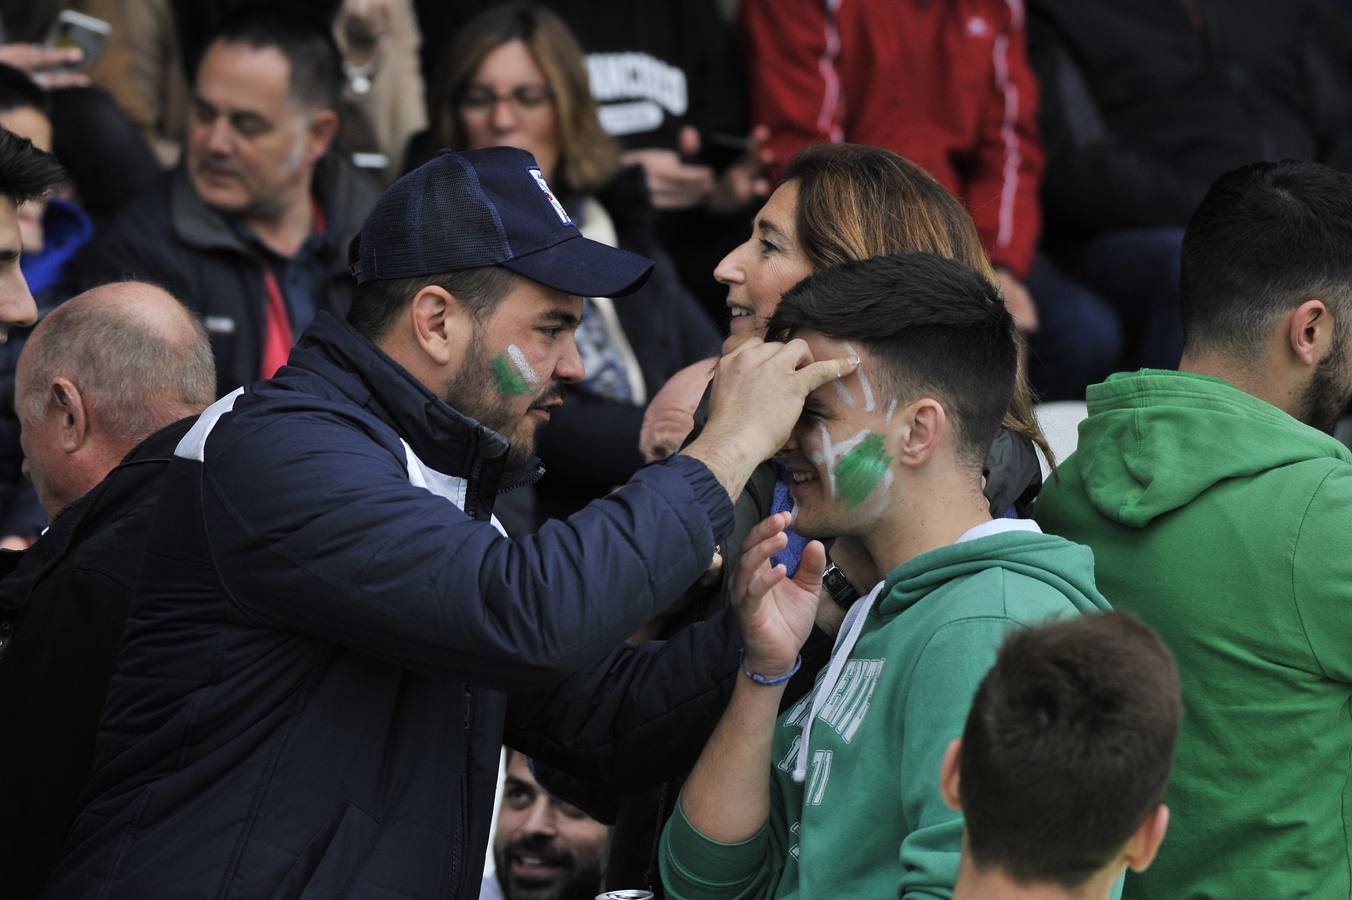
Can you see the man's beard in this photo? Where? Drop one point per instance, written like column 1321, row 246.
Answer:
column 572, row 882
column 472, row 392
column 1326, row 395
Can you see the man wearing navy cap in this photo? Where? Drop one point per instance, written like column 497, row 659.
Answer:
column 311, row 690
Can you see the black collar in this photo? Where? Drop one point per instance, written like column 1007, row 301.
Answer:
column 102, row 506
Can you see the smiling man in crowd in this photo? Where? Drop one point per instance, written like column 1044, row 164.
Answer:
column 545, row 848
column 311, row 692
column 838, row 797
column 252, row 231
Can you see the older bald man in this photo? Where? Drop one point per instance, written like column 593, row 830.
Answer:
column 107, row 383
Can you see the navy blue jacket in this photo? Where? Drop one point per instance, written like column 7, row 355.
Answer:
column 310, row 693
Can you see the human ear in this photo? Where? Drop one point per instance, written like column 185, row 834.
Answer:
column 434, row 313
column 949, row 780
column 1308, row 323
column 323, row 129
column 69, row 405
column 918, row 430
column 1145, row 843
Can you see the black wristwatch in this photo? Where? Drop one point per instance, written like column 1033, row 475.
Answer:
column 838, row 587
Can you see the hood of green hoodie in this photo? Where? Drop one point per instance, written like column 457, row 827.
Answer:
column 1055, row 561
column 1155, row 440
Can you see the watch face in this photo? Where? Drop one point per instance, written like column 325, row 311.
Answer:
column 838, row 586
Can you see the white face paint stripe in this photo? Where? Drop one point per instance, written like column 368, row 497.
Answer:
column 882, row 490
column 864, row 385
column 891, row 409
column 843, row 391
column 522, row 365
column 832, row 453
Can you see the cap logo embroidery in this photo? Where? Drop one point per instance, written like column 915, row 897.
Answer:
column 549, row 195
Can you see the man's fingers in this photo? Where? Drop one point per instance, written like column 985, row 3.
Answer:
column 816, row 374
column 795, row 350
column 744, row 345
column 61, row 79
column 682, row 177
column 48, row 57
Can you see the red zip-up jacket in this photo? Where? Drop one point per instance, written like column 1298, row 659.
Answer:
column 945, row 83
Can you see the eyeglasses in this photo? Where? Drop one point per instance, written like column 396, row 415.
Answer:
column 523, row 97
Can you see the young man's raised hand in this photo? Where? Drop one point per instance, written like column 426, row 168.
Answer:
column 775, row 611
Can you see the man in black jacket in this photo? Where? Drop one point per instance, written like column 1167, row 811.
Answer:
column 99, row 384
column 311, row 691
column 252, row 230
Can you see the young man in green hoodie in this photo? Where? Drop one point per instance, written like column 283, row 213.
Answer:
column 838, row 798
column 1220, row 512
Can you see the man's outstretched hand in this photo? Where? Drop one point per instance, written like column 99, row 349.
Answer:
column 758, row 395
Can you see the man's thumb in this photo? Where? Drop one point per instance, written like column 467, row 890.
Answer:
column 827, row 370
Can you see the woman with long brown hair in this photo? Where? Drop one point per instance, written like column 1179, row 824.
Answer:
column 841, row 203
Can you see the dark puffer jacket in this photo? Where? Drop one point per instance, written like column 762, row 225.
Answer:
column 311, row 694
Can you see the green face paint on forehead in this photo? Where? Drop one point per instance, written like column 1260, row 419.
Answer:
column 508, row 379
column 860, row 470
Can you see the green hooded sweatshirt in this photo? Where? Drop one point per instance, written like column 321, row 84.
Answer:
column 868, row 820
column 1227, row 525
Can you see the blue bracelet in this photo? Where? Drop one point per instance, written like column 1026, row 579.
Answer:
column 768, row 679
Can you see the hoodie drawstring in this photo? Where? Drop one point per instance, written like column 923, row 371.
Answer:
column 846, row 638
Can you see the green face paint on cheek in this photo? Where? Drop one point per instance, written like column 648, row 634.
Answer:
column 508, row 379
column 860, row 470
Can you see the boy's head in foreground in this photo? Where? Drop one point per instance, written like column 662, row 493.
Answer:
column 1061, row 770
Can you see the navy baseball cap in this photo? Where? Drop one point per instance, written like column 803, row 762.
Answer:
column 487, row 208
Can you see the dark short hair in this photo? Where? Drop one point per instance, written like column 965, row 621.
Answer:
column 19, row 91
column 302, row 37
column 935, row 325
column 1068, row 746
column 376, row 304
column 1266, row 238
column 26, row 173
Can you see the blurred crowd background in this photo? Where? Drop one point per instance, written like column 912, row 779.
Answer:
column 1079, row 135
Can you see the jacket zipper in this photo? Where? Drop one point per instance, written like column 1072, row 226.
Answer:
column 461, row 831
column 472, row 489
